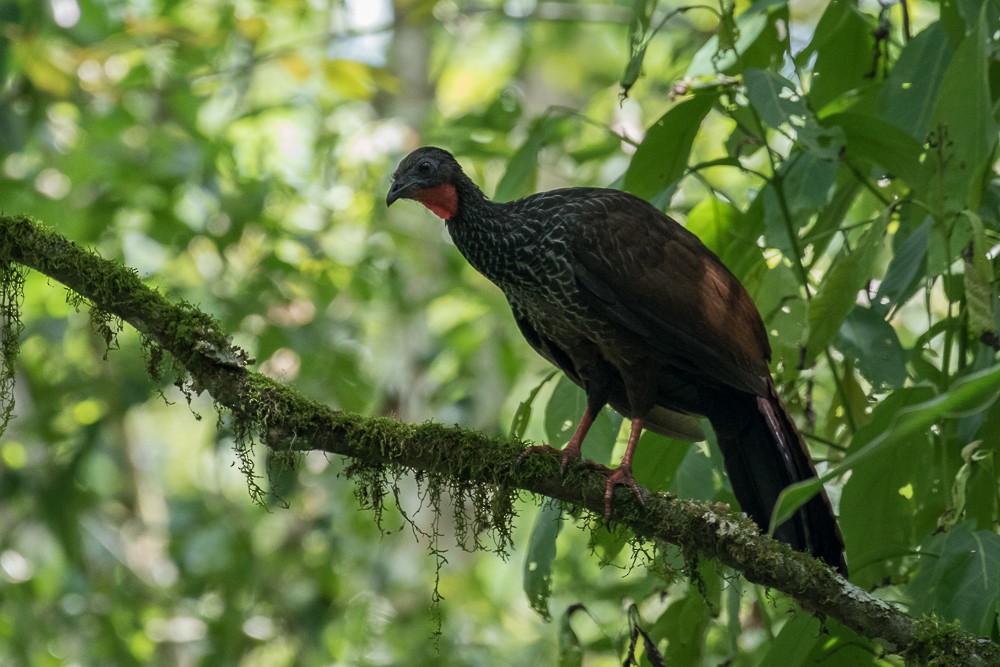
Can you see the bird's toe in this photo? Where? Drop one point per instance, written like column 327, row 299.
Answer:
column 620, row 476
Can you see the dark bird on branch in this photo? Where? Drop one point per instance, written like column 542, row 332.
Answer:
column 640, row 314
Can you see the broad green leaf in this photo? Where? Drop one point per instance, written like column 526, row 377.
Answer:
column 973, row 10
column 781, row 105
column 657, row 459
column 843, row 46
column 978, row 282
column 607, row 543
column 794, row 644
column 877, row 142
column 906, row 268
column 758, row 43
column 963, row 132
column 711, row 220
column 839, row 289
column 537, row 573
column 686, row 620
column 522, row 169
column 662, row 157
column 970, row 395
column 959, row 578
column 838, row 646
column 722, row 228
column 873, row 345
column 523, row 413
column 831, row 217
column 909, row 93
column 807, row 181
column 562, row 415
column 695, row 476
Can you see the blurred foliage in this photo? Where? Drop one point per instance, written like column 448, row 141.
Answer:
column 839, row 156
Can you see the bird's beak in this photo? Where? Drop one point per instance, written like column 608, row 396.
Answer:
column 398, row 190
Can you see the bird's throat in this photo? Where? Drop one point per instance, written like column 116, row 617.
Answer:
column 441, row 200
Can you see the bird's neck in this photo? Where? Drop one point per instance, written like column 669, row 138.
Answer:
column 483, row 231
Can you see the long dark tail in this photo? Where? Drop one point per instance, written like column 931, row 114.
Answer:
column 764, row 453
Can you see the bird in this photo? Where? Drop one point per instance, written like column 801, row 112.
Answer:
column 640, row 314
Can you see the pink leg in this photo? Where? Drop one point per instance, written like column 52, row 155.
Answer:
column 571, row 452
column 623, row 473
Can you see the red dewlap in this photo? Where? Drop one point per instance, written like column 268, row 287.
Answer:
column 441, row 200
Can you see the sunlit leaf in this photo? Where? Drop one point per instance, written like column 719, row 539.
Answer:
column 843, row 46
column 541, row 551
column 662, row 157
column 349, row 78
column 838, row 292
column 963, row 132
column 781, row 105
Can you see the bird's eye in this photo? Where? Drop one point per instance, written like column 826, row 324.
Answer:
column 424, row 167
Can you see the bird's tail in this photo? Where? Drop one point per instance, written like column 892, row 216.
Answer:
column 764, row 453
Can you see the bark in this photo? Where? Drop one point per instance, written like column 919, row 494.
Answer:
column 465, row 458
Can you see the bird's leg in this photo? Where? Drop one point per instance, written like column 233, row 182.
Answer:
column 623, row 473
column 571, row 452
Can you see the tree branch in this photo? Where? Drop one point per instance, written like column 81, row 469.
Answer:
column 288, row 421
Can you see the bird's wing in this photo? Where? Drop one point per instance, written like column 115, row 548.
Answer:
column 653, row 278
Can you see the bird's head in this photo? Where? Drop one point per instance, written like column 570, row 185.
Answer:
column 427, row 175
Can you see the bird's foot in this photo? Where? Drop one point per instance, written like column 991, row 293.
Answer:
column 621, row 475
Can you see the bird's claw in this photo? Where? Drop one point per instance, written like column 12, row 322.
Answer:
column 621, row 475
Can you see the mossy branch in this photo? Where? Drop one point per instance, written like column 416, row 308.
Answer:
column 482, row 468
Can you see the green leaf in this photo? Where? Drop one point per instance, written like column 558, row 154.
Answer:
column 657, row 459
column 838, row 292
column 570, row 649
column 843, row 47
column 562, row 415
column 899, row 483
column 963, row 132
column 970, row 395
column 523, row 413
column 978, row 282
column 807, row 181
column 662, row 157
column 909, row 93
column 537, row 573
column 781, row 105
column 905, row 270
column 522, row 170
column 875, row 141
column 794, row 644
column 758, row 43
column 873, row 345
column 712, row 220
column 959, row 578
column 686, row 620
column 638, row 40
